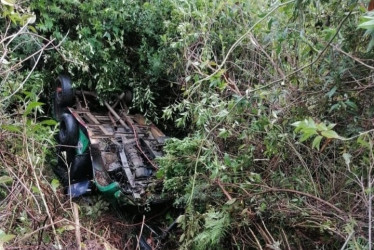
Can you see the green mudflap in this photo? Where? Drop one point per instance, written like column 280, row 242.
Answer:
column 110, row 190
column 83, row 143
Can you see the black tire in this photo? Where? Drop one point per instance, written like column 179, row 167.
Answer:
column 68, row 134
column 57, row 110
column 81, row 168
column 64, row 91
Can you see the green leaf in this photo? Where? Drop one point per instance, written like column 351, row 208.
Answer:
column 31, row 106
column 351, row 104
column 335, row 106
column 347, row 158
column 223, row 113
column 8, row 2
column 361, row 140
column 331, row 134
column 11, row 128
column 32, row 28
column 261, row 15
column 367, row 25
column 4, row 238
column 230, row 202
column 331, row 92
column 371, row 43
column 35, row 190
column 316, row 142
column 6, row 179
column 296, row 124
column 49, row 122
column 329, row 33
column 306, row 136
column 182, row 238
column 321, row 127
column 181, row 219
column 223, row 133
column 331, row 126
column 55, row 184
column 270, row 23
column 311, row 123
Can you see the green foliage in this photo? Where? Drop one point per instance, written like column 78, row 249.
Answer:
column 309, row 128
column 367, row 23
column 4, row 238
column 14, row 12
column 215, row 227
column 233, row 75
column 111, row 45
column 28, row 202
column 96, row 209
column 244, row 83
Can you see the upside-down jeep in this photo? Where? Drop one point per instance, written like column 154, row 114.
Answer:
column 106, row 146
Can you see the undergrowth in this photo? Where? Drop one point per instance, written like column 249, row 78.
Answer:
column 35, row 213
column 274, row 96
column 279, row 102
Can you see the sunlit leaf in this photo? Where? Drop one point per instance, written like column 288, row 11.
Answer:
column 306, row 136
column 4, row 238
column 230, row 202
column 48, row 122
column 35, row 190
column 223, row 133
column 5, row 179
column 347, row 158
column 55, row 184
column 367, row 25
column 8, row 2
column 11, row 128
column 316, row 142
column 330, row 134
column 31, row 106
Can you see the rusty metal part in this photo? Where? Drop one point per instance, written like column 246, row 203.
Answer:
column 112, row 120
column 130, row 123
column 126, row 168
column 133, row 154
column 119, row 100
column 84, row 99
column 84, row 92
column 138, row 144
column 114, row 113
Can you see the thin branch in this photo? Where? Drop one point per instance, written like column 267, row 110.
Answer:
column 309, row 64
column 237, row 42
column 77, row 226
column 257, row 44
column 224, row 190
column 352, row 57
column 274, row 190
column 28, row 75
column 42, row 195
column 140, row 234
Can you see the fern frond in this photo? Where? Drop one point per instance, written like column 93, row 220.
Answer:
column 215, row 228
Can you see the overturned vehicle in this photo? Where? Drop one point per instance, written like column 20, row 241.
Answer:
column 106, row 147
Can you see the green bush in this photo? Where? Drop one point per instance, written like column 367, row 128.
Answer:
column 237, row 77
column 109, row 46
column 252, row 70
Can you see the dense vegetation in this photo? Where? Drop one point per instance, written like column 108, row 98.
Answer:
column 273, row 99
